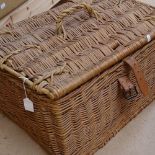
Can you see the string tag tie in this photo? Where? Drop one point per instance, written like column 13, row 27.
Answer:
column 28, row 104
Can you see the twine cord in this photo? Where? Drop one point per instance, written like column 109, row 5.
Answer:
column 24, row 87
column 59, row 22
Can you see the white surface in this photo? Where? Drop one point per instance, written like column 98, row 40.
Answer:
column 14, row 141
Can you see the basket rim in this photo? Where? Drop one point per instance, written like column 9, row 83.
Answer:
column 113, row 59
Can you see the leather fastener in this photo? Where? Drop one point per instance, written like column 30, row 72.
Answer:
column 128, row 88
column 139, row 75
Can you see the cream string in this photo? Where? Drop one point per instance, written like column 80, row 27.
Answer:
column 24, row 80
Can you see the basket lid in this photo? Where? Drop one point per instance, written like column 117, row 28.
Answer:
column 54, row 65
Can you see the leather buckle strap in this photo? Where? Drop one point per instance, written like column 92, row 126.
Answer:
column 138, row 74
column 128, row 88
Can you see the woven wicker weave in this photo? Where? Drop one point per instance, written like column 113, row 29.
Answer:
column 71, row 63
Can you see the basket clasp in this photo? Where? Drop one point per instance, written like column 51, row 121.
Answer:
column 128, row 88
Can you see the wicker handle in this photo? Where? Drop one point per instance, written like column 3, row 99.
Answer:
column 59, row 23
column 127, row 86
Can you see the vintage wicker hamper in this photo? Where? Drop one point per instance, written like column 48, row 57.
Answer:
column 88, row 71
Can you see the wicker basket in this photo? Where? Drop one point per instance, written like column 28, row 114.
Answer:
column 88, row 71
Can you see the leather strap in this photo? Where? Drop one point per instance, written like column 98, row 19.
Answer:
column 138, row 74
column 128, row 88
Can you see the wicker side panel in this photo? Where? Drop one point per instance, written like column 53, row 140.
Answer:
column 36, row 124
column 85, row 119
column 96, row 111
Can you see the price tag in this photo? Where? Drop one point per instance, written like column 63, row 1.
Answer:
column 28, row 105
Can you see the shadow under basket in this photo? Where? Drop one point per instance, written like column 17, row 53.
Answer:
column 85, row 86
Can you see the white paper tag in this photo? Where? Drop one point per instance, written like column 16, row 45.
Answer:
column 2, row 5
column 28, row 105
column 148, row 38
